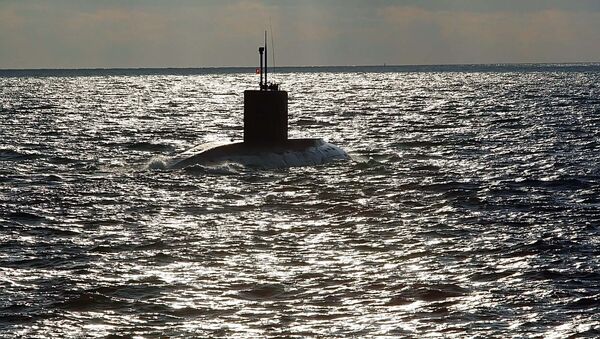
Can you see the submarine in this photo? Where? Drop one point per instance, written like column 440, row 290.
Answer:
column 265, row 141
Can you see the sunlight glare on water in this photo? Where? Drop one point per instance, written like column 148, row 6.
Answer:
column 470, row 208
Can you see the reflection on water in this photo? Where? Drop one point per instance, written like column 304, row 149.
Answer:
column 470, row 209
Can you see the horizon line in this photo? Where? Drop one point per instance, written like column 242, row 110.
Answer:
column 299, row 66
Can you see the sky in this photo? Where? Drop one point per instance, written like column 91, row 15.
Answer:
column 214, row 33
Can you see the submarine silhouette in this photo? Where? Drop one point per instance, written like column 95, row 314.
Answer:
column 266, row 143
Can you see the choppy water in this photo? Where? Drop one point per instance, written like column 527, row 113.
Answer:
column 471, row 208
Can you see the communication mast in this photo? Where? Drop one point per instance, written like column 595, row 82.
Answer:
column 264, row 55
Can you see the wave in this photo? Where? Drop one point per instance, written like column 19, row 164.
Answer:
column 224, row 168
column 150, row 147
column 13, row 155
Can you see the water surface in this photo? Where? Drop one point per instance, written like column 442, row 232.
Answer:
column 470, row 209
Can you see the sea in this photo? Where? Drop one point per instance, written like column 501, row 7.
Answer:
column 470, row 207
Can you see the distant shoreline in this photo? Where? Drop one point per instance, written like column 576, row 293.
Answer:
column 475, row 68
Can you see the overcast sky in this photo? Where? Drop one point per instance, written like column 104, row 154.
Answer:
column 206, row 33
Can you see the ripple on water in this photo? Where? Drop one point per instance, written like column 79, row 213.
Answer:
column 470, row 208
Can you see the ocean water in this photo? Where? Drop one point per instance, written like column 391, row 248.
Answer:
column 470, row 209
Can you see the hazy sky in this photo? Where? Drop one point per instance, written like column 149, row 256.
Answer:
column 202, row 33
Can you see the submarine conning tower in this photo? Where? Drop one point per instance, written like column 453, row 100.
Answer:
column 265, row 109
column 266, row 144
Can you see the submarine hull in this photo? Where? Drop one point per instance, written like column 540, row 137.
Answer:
column 289, row 153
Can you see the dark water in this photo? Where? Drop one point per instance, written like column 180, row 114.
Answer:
column 471, row 208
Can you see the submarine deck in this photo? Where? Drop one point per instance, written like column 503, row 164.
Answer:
column 288, row 153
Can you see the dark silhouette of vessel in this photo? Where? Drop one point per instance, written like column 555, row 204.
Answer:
column 266, row 143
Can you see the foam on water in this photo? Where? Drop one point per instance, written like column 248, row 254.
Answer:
column 157, row 162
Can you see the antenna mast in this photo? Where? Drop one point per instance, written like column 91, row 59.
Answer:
column 264, row 84
column 266, row 58
column 261, row 50
column 272, row 43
